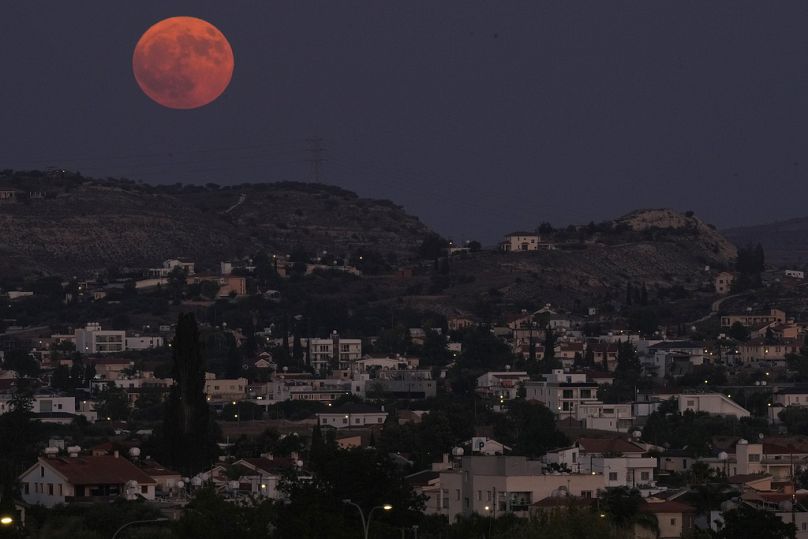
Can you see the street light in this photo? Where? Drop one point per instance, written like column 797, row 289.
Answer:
column 6, row 520
column 366, row 523
column 135, row 522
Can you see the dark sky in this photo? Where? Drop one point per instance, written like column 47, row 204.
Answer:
column 478, row 116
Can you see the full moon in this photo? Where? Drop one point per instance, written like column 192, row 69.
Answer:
column 183, row 62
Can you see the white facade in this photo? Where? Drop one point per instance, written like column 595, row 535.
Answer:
column 796, row 274
column 225, row 389
column 624, row 471
column 521, row 241
column 344, row 419
column 507, row 485
column 43, row 404
column 322, row 352
column 562, row 392
column 56, row 480
column 94, row 340
column 611, row 417
column 712, row 403
column 144, row 342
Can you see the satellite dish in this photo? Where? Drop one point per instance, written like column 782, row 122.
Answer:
column 723, row 455
column 134, row 452
column 180, row 484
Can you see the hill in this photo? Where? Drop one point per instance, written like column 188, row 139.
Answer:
column 65, row 224
column 785, row 242
column 591, row 265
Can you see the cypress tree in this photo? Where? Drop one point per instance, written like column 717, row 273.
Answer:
column 187, row 427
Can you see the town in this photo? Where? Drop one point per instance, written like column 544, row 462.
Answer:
column 251, row 399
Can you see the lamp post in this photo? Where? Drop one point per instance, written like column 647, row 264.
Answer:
column 6, row 520
column 490, row 519
column 135, row 522
column 366, row 523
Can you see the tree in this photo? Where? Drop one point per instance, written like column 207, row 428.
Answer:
column 746, row 522
column 61, row 378
column 528, row 427
column 432, row 247
column 474, row 246
column 177, row 280
column 738, row 331
column 548, row 361
column 189, row 436
column 113, row 404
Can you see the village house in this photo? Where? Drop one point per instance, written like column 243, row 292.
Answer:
column 223, row 389
column 674, row 519
column 751, row 319
column 760, row 350
column 54, row 480
column 723, row 282
column 498, row 485
column 520, row 242
column 352, row 415
column 501, row 386
column 169, row 265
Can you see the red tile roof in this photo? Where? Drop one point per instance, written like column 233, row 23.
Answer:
column 666, row 507
column 98, row 470
column 608, row 445
column 270, row 465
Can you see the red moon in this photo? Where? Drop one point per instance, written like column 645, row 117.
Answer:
column 183, row 62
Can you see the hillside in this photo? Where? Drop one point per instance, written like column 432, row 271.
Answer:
column 592, row 265
column 67, row 224
column 785, row 242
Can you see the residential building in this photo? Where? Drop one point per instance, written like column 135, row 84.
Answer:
column 169, row 265
column 795, row 396
column 750, row 319
column 674, row 519
column 56, row 480
column 144, row 342
column 501, row 386
column 795, row 274
column 400, row 384
column 520, row 241
column 223, row 389
column 723, row 282
column 506, row 484
column 562, row 392
column 712, row 403
column 611, row 417
column 323, row 353
column 353, row 415
column 259, row 476
column 94, row 340
column 761, row 350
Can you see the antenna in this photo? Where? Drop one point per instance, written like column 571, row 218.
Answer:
column 316, row 158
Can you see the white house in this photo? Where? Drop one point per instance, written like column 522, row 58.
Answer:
column 796, row 274
column 94, row 340
column 353, row 415
column 712, row 403
column 520, row 241
column 496, row 485
column 56, row 480
column 562, row 392
column 144, row 342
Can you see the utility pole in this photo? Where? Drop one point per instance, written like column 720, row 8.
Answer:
column 316, row 156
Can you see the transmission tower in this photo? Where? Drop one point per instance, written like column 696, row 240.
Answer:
column 316, row 157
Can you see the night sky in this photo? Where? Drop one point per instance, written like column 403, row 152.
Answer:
column 478, row 116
